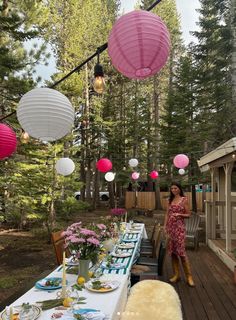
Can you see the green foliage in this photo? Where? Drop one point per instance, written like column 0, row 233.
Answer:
column 70, row 206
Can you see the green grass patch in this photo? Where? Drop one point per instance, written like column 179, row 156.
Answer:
column 7, row 282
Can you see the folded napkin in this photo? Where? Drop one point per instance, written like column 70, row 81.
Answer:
column 42, row 282
column 88, row 314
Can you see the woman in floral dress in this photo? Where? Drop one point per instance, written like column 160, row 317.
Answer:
column 174, row 226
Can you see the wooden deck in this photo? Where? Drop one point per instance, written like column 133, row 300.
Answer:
column 214, row 296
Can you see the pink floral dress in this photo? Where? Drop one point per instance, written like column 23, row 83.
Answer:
column 175, row 229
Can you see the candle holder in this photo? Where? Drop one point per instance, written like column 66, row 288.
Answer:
column 64, row 292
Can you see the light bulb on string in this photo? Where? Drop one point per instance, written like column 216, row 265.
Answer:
column 99, row 81
column 24, row 138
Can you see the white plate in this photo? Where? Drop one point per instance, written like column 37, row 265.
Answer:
column 113, row 266
column 71, row 262
column 111, row 285
column 33, row 313
column 121, row 254
column 126, row 245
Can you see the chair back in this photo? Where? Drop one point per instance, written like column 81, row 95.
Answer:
column 154, row 230
column 156, row 241
column 192, row 224
column 58, row 243
column 162, row 256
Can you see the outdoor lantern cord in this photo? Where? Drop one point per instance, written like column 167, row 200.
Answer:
column 98, row 51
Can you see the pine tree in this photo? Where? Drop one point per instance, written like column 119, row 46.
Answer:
column 213, row 58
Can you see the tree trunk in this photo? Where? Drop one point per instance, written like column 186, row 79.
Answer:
column 111, row 194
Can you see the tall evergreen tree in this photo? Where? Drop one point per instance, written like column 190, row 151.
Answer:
column 213, row 62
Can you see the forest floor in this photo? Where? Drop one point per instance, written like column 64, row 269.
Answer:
column 27, row 256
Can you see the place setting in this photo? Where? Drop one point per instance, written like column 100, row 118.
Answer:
column 128, row 245
column 25, row 311
column 102, row 286
column 52, row 283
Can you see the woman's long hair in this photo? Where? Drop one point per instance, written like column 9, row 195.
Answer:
column 181, row 193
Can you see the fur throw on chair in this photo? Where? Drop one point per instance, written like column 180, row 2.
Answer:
column 152, row 300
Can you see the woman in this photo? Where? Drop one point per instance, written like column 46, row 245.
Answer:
column 174, row 227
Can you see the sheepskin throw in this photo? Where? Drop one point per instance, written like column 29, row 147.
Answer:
column 152, row 300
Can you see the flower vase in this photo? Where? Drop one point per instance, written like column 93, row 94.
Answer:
column 84, row 269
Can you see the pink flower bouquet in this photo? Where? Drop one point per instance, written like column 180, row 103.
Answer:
column 82, row 242
column 118, row 211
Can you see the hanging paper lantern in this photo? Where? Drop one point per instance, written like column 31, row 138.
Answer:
column 133, row 163
column 46, row 114
column 139, row 44
column 65, row 166
column 8, row 141
column 110, row 176
column 135, row 175
column 104, row 165
column 181, row 171
column 154, row 174
column 181, row 161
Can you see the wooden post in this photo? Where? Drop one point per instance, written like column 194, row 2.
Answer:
column 228, row 211
column 213, row 199
column 208, row 220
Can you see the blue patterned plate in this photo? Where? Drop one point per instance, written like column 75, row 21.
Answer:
column 42, row 284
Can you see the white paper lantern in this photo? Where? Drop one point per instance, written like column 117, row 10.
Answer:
column 110, row 176
column 181, row 171
column 133, row 163
column 65, row 166
column 46, row 114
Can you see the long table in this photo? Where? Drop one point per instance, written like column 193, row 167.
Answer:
column 110, row 303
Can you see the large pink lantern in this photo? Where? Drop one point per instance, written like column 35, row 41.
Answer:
column 8, row 141
column 139, row 44
column 181, row 161
column 104, row 165
column 135, row 175
column 154, row 174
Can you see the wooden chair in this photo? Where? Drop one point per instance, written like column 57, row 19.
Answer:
column 149, row 242
column 192, row 225
column 58, row 243
column 150, row 268
column 152, row 251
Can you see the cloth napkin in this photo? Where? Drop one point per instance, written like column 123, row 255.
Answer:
column 88, row 314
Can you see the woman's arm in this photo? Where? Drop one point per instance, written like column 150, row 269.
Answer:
column 187, row 213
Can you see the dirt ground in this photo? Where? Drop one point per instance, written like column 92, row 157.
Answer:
column 27, row 256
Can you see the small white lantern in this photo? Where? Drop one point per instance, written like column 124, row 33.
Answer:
column 181, row 171
column 46, row 114
column 65, row 166
column 133, row 163
column 110, row 176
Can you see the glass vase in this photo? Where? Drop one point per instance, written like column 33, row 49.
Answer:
column 84, row 269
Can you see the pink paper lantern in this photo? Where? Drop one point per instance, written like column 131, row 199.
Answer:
column 139, row 44
column 135, row 175
column 8, row 141
column 154, row 174
column 104, row 165
column 181, row 161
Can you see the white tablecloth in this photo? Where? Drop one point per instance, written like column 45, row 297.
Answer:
column 110, row 303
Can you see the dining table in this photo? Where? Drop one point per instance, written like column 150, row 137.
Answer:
column 111, row 303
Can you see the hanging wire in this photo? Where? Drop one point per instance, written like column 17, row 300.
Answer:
column 76, row 69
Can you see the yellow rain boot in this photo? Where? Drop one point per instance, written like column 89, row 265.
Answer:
column 175, row 264
column 187, row 271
